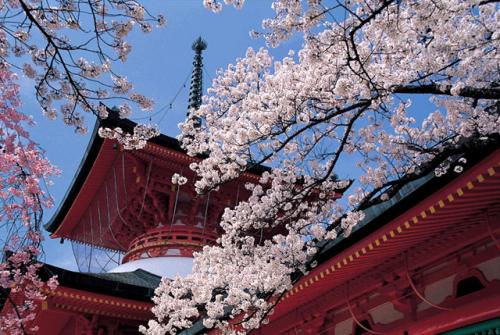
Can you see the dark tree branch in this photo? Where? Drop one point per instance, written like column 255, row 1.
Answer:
column 467, row 92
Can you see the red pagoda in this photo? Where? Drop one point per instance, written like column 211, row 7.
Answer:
column 124, row 208
column 129, row 224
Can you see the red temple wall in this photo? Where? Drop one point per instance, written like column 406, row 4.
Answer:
column 393, row 307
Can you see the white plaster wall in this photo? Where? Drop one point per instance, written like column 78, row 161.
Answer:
column 490, row 268
column 437, row 292
column 385, row 313
column 344, row 327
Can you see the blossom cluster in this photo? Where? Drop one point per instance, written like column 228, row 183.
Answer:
column 23, row 171
column 137, row 140
column 317, row 116
column 178, row 179
column 68, row 48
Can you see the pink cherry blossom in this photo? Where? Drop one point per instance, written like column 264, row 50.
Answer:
column 23, row 170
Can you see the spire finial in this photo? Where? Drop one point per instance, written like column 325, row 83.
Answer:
column 199, row 45
column 196, row 89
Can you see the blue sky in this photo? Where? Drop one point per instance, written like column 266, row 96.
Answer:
column 158, row 66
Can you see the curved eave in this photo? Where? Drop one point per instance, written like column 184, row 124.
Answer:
column 406, row 199
column 97, row 156
column 166, row 141
column 83, row 171
column 136, row 285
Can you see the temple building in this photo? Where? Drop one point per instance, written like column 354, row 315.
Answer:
column 129, row 225
column 425, row 262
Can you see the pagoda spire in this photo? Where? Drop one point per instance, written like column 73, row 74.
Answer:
column 196, row 88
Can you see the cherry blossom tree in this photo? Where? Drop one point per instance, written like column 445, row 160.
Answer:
column 23, row 171
column 343, row 102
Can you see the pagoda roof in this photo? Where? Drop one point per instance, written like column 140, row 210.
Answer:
column 136, row 285
column 96, row 145
column 123, row 296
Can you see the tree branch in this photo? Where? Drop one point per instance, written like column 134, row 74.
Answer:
column 468, row 91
